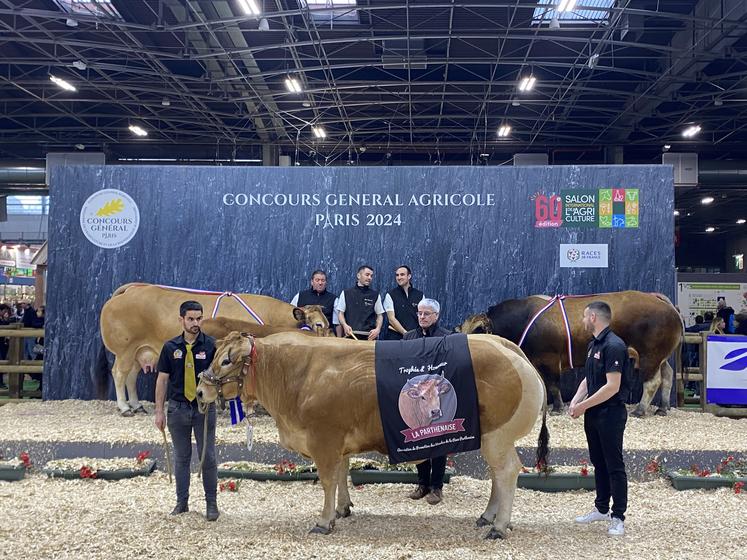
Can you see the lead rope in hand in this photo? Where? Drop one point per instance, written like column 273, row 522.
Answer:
column 168, row 453
column 204, row 442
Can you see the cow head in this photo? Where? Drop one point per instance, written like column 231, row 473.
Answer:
column 225, row 377
column 312, row 317
column 420, row 402
column 476, row 324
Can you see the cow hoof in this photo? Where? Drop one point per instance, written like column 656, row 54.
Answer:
column 638, row 413
column 494, row 534
column 128, row 413
column 319, row 530
column 344, row 513
column 482, row 522
column 661, row 412
column 140, row 410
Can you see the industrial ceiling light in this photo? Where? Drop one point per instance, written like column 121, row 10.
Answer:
column 676, row 212
column 264, row 25
column 593, row 61
column 166, row 102
column 691, row 131
column 706, row 200
column 740, row 221
column 80, row 65
column 62, row 83
column 710, row 229
column 504, row 130
column 319, row 132
column 250, row 7
column 667, row 146
column 293, row 85
column 527, row 83
column 566, row 5
column 138, row 130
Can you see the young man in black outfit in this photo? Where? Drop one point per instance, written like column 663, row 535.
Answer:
column 601, row 398
column 431, row 471
column 401, row 304
column 359, row 308
column 182, row 359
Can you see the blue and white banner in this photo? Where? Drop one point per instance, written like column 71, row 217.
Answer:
column 726, row 376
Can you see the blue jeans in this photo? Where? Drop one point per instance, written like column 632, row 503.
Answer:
column 183, row 418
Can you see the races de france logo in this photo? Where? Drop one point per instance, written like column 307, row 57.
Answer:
column 109, row 218
column 573, row 255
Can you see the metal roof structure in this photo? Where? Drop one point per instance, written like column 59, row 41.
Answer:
column 330, row 82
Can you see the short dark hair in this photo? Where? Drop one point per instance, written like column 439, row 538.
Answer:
column 318, row 271
column 363, row 266
column 407, row 268
column 699, row 319
column 600, row 308
column 189, row 305
column 708, row 316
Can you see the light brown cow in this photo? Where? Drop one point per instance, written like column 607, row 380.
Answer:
column 139, row 318
column 420, row 403
column 648, row 323
column 322, row 394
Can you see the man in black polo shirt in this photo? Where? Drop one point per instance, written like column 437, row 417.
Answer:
column 359, row 308
column 431, row 471
column 401, row 304
column 318, row 295
column 601, row 398
column 182, row 358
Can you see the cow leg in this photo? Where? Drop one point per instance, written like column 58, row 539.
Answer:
column 504, row 470
column 328, row 469
column 667, row 374
column 132, row 398
column 551, row 379
column 120, row 377
column 649, row 388
column 343, row 494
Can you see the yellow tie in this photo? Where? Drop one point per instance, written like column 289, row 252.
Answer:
column 190, row 384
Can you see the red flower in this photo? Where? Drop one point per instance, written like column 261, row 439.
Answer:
column 584, row 468
column 704, row 473
column 738, row 487
column 87, row 472
column 653, row 466
column 142, row 456
column 221, row 487
column 25, row 459
column 230, row 486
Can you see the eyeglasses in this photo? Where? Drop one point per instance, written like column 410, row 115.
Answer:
column 425, row 313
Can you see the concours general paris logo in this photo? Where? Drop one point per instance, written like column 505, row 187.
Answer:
column 109, row 218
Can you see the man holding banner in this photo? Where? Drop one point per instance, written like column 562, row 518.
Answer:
column 431, row 471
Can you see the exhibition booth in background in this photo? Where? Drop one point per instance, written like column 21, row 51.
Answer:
column 473, row 236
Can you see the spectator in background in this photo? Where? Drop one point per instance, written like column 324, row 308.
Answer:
column 5, row 313
column 741, row 321
column 718, row 326
column 727, row 314
column 37, row 349
column 29, row 318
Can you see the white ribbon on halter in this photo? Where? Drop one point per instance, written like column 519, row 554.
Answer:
column 559, row 299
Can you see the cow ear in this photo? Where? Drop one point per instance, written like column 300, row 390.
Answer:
column 413, row 393
column 444, row 388
column 299, row 314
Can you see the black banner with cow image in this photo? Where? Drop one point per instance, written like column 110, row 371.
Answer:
column 427, row 397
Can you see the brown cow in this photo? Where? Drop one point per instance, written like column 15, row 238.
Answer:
column 322, row 395
column 139, row 318
column 648, row 323
column 420, row 403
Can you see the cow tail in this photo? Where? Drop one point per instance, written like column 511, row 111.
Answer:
column 543, row 442
column 102, row 374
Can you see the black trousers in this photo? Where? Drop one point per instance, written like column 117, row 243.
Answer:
column 604, row 432
column 431, row 473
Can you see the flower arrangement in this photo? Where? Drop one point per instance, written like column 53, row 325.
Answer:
column 281, row 467
column 730, row 472
column 229, row 486
column 142, row 457
column 23, row 460
column 87, row 472
column 583, row 469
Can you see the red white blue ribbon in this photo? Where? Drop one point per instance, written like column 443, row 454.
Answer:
column 241, row 302
column 559, row 300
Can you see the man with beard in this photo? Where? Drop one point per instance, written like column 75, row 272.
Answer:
column 359, row 308
column 401, row 304
column 601, row 398
column 182, row 358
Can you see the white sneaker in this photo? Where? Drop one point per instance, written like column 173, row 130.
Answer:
column 616, row 527
column 593, row 516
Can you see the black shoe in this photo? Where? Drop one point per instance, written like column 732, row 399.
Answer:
column 211, row 511
column 181, row 507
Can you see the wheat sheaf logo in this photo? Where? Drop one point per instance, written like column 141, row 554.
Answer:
column 112, row 207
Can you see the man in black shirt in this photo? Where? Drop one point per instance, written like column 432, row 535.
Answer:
column 726, row 313
column 181, row 360
column 431, row 471
column 401, row 304
column 359, row 308
column 318, row 295
column 601, row 398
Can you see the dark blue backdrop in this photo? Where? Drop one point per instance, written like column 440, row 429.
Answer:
column 466, row 257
